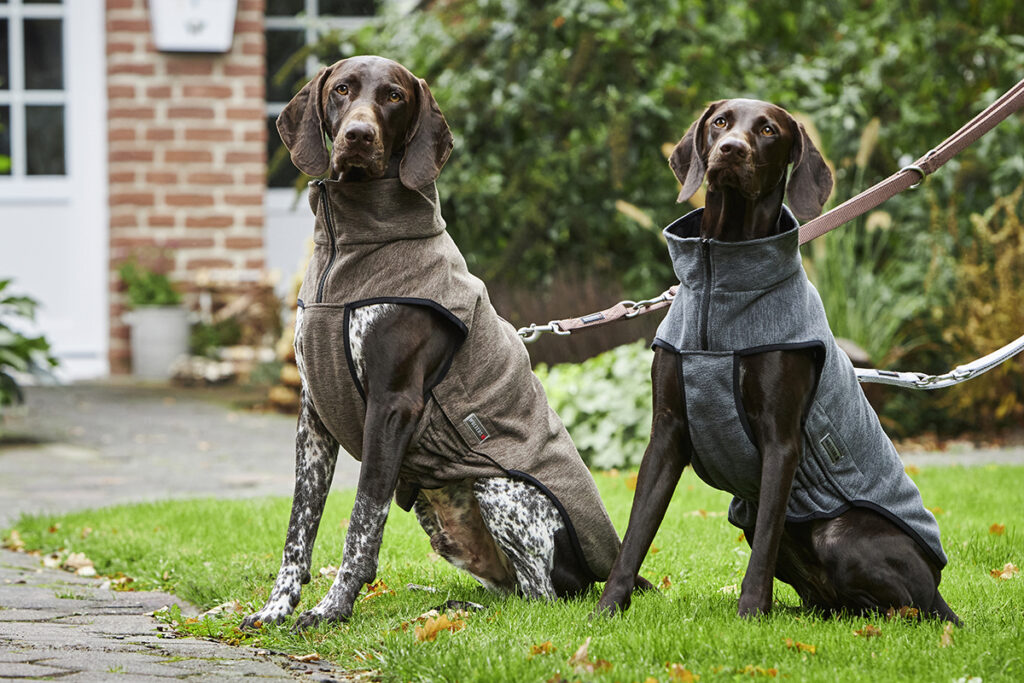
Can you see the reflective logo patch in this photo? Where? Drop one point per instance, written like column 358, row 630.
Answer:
column 592, row 318
column 831, row 448
column 477, row 427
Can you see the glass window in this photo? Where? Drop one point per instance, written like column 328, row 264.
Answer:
column 5, row 80
column 45, row 140
column 351, row 8
column 281, row 48
column 277, row 8
column 44, row 54
column 5, row 140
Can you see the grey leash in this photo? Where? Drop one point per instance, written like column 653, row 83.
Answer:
column 961, row 373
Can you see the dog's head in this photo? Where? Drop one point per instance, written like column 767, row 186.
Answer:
column 747, row 145
column 370, row 108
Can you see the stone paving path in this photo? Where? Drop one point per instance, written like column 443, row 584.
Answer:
column 89, row 446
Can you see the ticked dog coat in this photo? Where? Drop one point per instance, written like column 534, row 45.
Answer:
column 377, row 242
column 738, row 298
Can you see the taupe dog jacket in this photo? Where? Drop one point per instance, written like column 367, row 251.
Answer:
column 739, row 298
column 378, row 242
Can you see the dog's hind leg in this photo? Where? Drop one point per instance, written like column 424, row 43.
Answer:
column 523, row 522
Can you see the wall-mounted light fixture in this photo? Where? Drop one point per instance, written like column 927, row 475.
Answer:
column 192, row 25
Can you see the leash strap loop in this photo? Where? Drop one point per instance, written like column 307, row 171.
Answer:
column 961, row 373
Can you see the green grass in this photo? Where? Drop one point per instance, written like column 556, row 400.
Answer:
column 210, row 552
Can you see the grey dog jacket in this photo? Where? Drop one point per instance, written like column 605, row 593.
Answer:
column 378, row 242
column 738, row 298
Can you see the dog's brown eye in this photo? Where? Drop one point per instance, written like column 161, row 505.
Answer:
column 395, row 96
column 719, row 122
column 341, row 89
column 768, row 131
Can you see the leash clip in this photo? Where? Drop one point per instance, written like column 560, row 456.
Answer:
column 917, row 169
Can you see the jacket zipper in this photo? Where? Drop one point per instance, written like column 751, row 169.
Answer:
column 705, row 305
column 325, row 205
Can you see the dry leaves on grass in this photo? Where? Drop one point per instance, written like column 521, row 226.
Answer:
column 14, row 542
column 946, row 639
column 432, row 626
column 311, row 657
column 666, row 583
column 631, row 481
column 232, row 606
column 544, row 648
column 677, row 673
column 1008, row 571
column 800, row 647
column 582, row 664
column 375, row 590
column 869, row 631
column 751, row 670
column 997, row 529
column 903, row 612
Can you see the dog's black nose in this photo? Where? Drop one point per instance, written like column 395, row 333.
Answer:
column 735, row 148
column 360, row 132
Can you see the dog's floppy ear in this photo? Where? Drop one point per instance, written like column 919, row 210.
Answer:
column 301, row 125
column 810, row 183
column 428, row 142
column 688, row 159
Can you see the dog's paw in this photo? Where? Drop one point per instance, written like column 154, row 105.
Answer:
column 312, row 617
column 751, row 607
column 641, row 585
column 256, row 620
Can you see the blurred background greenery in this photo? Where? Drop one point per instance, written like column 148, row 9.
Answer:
column 558, row 185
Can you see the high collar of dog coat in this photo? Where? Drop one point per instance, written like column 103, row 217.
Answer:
column 375, row 211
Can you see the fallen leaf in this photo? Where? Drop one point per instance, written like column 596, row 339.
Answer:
column 868, row 631
column 731, row 589
column 52, row 561
column 703, row 514
column 742, row 537
column 946, row 640
column 54, row 528
column 680, row 674
column 87, row 572
column 912, row 470
column 997, row 529
column 376, row 589
column 329, row 571
column 650, row 679
column 84, row 533
column 362, row 656
column 800, row 647
column 936, row 510
column 77, row 561
column 631, row 481
column 230, row 606
column 751, row 670
column 14, row 542
column 582, row 664
column 433, row 557
column 665, row 583
column 903, row 612
column 544, row 648
column 311, row 657
column 1008, row 571
column 654, row 549
column 432, row 627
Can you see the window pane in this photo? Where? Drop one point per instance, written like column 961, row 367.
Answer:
column 41, row 2
column 45, row 140
column 359, row 8
column 281, row 47
column 43, row 54
column 5, row 140
column 5, row 79
column 285, row 8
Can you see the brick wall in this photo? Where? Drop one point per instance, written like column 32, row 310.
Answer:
column 187, row 156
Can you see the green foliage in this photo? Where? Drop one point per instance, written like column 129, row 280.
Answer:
column 605, row 403
column 18, row 351
column 145, row 287
column 205, row 338
column 215, row 551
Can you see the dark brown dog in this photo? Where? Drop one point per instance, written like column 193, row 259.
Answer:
column 498, row 525
column 857, row 560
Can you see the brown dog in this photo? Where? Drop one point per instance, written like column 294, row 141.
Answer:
column 751, row 389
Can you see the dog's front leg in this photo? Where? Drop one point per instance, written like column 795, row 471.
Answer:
column 402, row 354
column 668, row 453
column 776, row 391
column 316, row 453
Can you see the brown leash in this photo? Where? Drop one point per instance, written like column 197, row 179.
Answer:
column 907, row 177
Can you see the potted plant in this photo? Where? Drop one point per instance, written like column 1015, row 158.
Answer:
column 20, row 354
column 159, row 323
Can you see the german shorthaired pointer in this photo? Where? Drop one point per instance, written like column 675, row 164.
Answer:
column 751, row 389
column 406, row 365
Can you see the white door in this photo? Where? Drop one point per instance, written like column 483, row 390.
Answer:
column 53, row 173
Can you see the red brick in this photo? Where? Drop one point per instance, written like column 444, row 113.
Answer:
column 124, row 220
column 254, row 178
column 136, row 69
column 160, row 221
column 162, row 178
column 208, row 178
column 121, row 134
column 255, row 136
column 254, row 91
column 120, row 4
column 158, row 92
column 132, row 242
column 209, row 135
column 244, row 243
column 244, row 157
column 189, row 199
column 254, row 221
column 255, row 264
column 159, row 134
column 246, row 113
column 189, row 66
column 187, row 156
column 128, row 25
column 190, row 112
column 254, row 199
column 209, row 221
column 208, row 90
column 132, row 199
column 203, row 263
column 125, row 177
column 117, row 156
column 251, row 5
column 243, row 26
column 254, row 47
column 115, row 48
column 126, row 92
column 133, row 113
column 243, row 69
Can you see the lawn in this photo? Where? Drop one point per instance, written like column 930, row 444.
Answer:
column 211, row 552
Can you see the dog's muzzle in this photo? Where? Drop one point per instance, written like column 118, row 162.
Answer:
column 359, row 144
